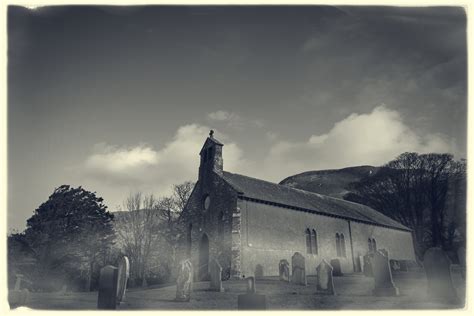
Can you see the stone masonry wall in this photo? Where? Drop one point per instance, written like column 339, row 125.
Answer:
column 270, row 233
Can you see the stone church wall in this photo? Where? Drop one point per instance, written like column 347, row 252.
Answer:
column 222, row 199
column 271, row 233
column 398, row 243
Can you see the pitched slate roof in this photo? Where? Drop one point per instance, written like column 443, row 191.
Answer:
column 265, row 191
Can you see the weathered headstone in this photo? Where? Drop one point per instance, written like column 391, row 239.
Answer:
column 384, row 285
column 18, row 281
column 216, row 276
column 368, row 265
column 123, row 274
column 251, row 300
column 394, row 265
column 184, row 282
column 462, row 261
column 107, row 297
column 251, row 285
column 298, row 271
column 336, row 265
column 18, row 298
column 284, row 268
column 324, row 281
column 63, row 290
column 438, row 272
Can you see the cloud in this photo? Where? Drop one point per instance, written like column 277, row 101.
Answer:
column 155, row 170
column 234, row 120
column 359, row 139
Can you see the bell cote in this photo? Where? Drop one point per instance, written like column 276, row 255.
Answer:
column 211, row 156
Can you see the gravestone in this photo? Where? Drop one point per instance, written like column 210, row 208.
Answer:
column 395, row 265
column 258, row 271
column 403, row 265
column 368, row 265
column 18, row 298
column 251, row 300
column 358, row 264
column 384, row 285
column 284, row 268
column 438, row 272
column 361, row 260
column 462, row 261
column 18, row 281
column 107, row 296
column 324, row 281
column 298, row 271
column 184, row 282
column 336, row 265
column 123, row 274
column 216, row 276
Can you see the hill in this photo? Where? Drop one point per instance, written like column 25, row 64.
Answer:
column 332, row 182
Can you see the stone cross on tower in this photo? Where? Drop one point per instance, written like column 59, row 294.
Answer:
column 211, row 133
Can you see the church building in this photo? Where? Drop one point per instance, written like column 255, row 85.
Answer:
column 249, row 225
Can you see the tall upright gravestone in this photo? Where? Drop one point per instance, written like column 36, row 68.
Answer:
column 107, row 296
column 336, row 265
column 324, row 280
column 284, row 269
column 368, row 265
column 184, row 282
column 298, row 271
column 438, row 273
column 123, row 275
column 384, row 285
column 216, row 276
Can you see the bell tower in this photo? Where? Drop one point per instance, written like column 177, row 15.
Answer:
column 211, row 157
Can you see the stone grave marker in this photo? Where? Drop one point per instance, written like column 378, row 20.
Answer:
column 251, row 300
column 107, row 296
column 298, row 271
column 384, row 285
column 123, row 274
column 284, row 268
column 336, row 265
column 368, row 265
column 216, row 276
column 438, row 273
column 18, row 296
column 324, row 281
column 395, row 265
column 462, row 261
column 184, row 282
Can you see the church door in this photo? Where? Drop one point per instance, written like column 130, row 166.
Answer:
column 203, row 269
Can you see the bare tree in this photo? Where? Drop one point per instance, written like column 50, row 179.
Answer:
column 137, row 228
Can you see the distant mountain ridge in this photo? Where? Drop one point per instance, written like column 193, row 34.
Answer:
column 331, row 182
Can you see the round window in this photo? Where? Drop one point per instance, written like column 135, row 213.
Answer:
column 207, row 202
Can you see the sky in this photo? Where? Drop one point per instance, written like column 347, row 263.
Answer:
column 121, row 99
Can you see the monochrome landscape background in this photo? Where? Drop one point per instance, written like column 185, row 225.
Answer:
column 111, row 105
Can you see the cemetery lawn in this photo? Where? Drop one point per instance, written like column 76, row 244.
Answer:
column 354, row 291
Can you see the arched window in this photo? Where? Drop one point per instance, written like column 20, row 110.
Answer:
column 220, row 225
column 308, row 241
column 369, row 242
column 342, row 243
column 374, row 245
column 314, row 242
column 338, row 245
